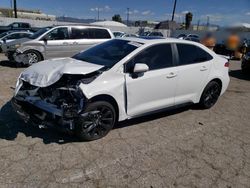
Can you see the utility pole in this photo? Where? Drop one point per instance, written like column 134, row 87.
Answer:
column 98, row 13
column 175, row 1
column 198, row 25
column 208, row 20
column 15, row 9
column 128, row 16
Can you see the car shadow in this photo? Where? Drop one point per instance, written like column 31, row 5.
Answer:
column 240, row 75
column 11, row 64
column 11, row 125
column 156, row 115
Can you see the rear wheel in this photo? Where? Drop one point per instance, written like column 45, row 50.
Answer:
column 210, row 95
column 96, row 121
column 33, row 57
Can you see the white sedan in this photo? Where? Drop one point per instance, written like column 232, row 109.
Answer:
column 118, row 80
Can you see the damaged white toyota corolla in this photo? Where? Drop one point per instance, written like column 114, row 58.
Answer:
column 118, row 80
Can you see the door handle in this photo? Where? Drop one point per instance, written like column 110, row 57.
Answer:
column 171, row 75
column 65, row 43
column 204, row 68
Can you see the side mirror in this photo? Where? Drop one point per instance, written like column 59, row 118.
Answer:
column 45, row 39
column 140, row 68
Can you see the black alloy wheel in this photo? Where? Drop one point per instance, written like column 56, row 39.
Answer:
column 96, row 122
column 210, row 95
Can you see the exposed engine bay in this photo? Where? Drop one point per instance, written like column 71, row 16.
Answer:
column 60, row 103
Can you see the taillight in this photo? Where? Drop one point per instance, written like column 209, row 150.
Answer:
column 227, row 64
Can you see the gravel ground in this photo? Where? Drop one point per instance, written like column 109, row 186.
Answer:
column 181, row 148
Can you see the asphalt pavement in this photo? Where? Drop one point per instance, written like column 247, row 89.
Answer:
column 186, row 147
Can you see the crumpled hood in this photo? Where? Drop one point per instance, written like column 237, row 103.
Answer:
column 48, row 72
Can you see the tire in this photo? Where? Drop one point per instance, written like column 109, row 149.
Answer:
column 97, row 124
column 210, row 95
column 34, row 57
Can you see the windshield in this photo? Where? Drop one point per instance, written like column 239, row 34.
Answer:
column 39, row 32
column 3, row 34
column 108, row 53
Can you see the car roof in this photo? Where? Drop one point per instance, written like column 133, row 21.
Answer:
column 155, row 40
column 20, row 32
column 80, row 25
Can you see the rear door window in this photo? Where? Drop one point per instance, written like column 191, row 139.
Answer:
column 191, row 54
column 24, row 25
column 79, row 33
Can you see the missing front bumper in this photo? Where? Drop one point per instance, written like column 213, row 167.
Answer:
column 21, row 58
column 42, row 115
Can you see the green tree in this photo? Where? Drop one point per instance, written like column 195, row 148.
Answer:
column 117, row 18
column 189, row 18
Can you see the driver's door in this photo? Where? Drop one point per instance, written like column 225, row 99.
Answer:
column 154, row 89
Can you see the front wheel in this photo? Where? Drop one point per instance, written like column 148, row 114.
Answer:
column 210, row 95
column 33, row 57
column 96, row 121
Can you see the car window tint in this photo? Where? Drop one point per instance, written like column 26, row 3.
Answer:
column 58, row 34
column 25, row 25
column 15, row 25
column 12, row 36
column 24, row 35
column 156, row 57
column 18, row 36
column 190, row 54
column 79, row 33
column 99, row 34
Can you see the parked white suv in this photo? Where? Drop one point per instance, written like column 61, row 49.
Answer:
column 118, row 80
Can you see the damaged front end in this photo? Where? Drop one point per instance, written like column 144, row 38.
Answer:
column 57, row 105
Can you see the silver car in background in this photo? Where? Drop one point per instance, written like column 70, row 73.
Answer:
column 10, row 36
column 56, row 42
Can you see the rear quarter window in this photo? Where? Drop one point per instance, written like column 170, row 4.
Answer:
column 99, row 34
column 191, row 54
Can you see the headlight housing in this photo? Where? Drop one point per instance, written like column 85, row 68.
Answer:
column 19, row 84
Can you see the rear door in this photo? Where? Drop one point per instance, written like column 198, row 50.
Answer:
column 154, row 89
column 194, row 65
column 80, row 39
column 84, row 38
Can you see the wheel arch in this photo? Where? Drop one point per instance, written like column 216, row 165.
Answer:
column 216, row 79
column 107, row 98
column 37, row 51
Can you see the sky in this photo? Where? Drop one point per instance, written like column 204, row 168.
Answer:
column 220, row 12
